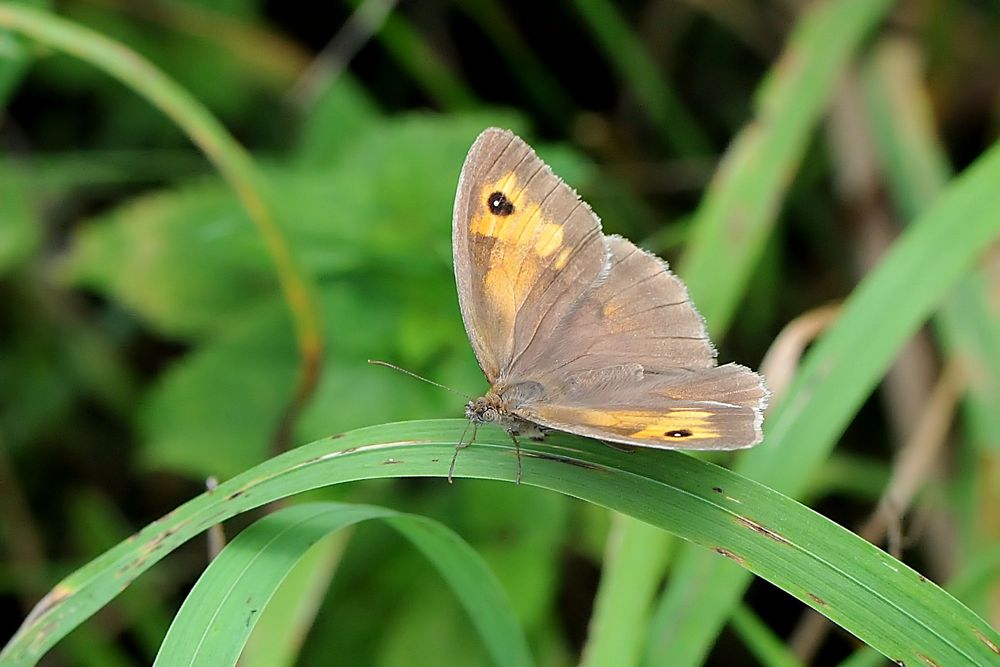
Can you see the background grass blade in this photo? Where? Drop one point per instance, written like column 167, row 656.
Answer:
column 222, row 609
column 764, row 644
column 232, row 161
column 838, row 374
column 635, row 558
column 847, row 579
column 917, row 170
column 677, row 127
column 146, row 343
column 741, row 206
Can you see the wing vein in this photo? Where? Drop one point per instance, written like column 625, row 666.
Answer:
column 582, row 244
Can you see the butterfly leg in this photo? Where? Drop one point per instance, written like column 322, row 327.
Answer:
column 517, row 455
column 462, row 444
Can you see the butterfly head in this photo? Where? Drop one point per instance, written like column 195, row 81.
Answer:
column 484, row 410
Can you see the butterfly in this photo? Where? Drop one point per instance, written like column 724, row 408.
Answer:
column 578, row 331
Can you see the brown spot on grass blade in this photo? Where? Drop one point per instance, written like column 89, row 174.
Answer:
column 730, row 555
column 986, row 640
column 560, row 459
column 158, row 541
column 717, row 489
column 44, row 632
column 51, row 600
column 390, row 461
column 817, row 599
column 927, row 660
column 766, row 532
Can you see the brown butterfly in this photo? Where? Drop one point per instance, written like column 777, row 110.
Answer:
column 578, row 331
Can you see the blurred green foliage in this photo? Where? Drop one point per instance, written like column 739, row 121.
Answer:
column 145, row 344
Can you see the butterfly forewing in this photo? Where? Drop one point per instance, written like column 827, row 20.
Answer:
column 526, row 248
column 638, row 313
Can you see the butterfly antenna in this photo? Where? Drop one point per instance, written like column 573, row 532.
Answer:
column 376, row 362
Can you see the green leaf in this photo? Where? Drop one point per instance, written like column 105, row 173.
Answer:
column 20, row 226
column 222, row 609
column 766, row 646
column 853, row 583
column 191, row 264
column 214, row 411
column 342, row 114
column 187, row 260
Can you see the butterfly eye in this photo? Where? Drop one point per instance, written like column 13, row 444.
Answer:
column 683, row 433
column 499, row 204
column 490, row 415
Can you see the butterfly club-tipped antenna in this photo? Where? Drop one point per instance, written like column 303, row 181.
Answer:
column 462, row 443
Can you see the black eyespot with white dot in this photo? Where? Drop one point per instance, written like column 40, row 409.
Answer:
column 499, row 204
column 681, row 433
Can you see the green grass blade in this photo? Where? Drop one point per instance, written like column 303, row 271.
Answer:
column 864, row 657
column 856, row 585
column 917, row 170
column 677, row 126
column 761, row 640
column 839, row 372
column 425, row 65
column 732, row 224
column 222, row 609
column 741, row 206
column 547, row 93
column 290, row 615
column 634, row 561
column 204, row 130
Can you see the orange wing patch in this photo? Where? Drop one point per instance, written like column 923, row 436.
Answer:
column 522, row 238
column 673, row 426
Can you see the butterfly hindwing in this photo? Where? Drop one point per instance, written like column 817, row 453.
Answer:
column 705, row 408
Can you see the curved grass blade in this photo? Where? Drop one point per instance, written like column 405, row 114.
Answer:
column 853, row 583
column 732, row 224
column 220, row 612
column 839, row 372
column 233, row 162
